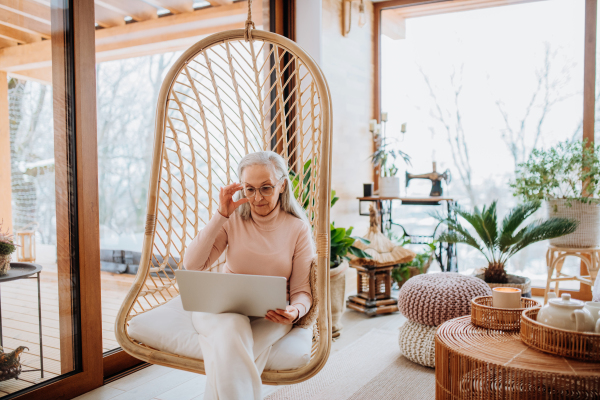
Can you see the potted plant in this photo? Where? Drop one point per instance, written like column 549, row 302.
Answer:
column 499, row 243
column 342, row 243
column 384, row 158
column 419, row 265
column 7, row 247
column 556, row 176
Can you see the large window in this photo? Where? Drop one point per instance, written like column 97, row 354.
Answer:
column 478, row 90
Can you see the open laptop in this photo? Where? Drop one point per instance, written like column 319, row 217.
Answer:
column 216, row 292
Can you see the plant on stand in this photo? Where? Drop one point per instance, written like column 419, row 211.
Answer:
column 7, row 247
column 567, row 178
column 384, row 158
column 499, row 243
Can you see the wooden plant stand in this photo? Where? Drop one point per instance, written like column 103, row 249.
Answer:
column 478, row 363
column 374, row 286
column 555, row 258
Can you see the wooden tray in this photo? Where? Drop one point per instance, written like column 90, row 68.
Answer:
column 504, row 319
column 583, row 346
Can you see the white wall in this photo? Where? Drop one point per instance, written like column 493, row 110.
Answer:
column 308, row 27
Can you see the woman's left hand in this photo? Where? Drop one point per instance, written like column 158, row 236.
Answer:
column 286, row 317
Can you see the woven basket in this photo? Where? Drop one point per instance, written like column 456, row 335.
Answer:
column 504, row 319
column 580, row 345
column 588, row 215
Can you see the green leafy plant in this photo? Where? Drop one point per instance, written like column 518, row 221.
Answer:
column 305, row 186
column 558, row 173
column 7, row 244
column 385, row 157
column 402, row 271
column 499, row 243
column 342, row 243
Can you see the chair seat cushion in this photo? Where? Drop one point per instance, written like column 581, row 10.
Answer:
column 432, row 299
column 417, row 343
column 169, row 328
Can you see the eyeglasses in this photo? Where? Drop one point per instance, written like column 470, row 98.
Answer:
column 265, row 191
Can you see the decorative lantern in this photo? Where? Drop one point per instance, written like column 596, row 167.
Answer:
column 374, row 275
column 26, row 245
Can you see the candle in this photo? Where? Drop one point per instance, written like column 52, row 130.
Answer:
column 506, row 297
column 372, row 124
column 403, row 128
column 384, row 116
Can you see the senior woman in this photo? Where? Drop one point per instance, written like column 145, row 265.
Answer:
column 266, row 232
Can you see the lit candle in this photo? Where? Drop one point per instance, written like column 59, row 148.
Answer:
column 506, row 297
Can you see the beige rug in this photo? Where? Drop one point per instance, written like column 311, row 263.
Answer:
column 370, row 368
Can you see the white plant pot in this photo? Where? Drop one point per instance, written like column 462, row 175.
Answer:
column 588, row 215
column 337, row 282
column 389, row 186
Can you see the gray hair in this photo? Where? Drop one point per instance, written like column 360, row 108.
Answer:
column 287, row 200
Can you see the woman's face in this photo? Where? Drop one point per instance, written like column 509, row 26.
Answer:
column 257, row 176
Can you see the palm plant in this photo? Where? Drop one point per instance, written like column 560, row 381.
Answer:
column 499, row 243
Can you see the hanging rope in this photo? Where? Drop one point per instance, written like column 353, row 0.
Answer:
column 249, row 23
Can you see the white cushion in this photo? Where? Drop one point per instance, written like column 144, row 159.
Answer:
column 169, row 328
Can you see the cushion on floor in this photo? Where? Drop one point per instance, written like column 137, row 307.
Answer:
column 417, row 343
column 169, row 328
column 432, row 299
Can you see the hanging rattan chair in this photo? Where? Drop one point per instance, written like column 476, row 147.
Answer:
column 231, row 94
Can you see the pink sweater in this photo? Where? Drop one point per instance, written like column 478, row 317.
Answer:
column 278, row 244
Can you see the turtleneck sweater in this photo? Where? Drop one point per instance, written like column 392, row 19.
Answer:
column 277, row 244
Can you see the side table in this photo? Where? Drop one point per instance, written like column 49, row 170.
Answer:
column 555, row 258
column 374, row 287
column 22, row 270
column 477, row 363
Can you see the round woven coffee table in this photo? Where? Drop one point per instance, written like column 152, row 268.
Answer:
column 478, row 363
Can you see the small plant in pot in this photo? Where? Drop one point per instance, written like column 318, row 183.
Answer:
column 419, row 265
column 342, row 244
column 566, row 176
column 7, row 247
column 384, row 158
column 498, row 243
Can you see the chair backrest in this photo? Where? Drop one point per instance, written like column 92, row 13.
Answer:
column 224, row 98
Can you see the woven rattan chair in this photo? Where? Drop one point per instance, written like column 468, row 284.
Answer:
column 231, row 94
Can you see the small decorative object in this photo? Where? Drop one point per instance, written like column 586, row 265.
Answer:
column 10, row 364
column 499, row 243
column 367, row 189
column 26, row 243
column 417, row 343
column 7, row 247
column 374, row 283
column 566, row 313
column 506, row 297
column 583, row 346
column 555, row 176
column 434, row 177
column 485, row 315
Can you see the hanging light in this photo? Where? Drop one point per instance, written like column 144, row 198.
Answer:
column 362, row 16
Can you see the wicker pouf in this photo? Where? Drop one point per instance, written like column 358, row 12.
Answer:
column 432, row 299
column 417, row 343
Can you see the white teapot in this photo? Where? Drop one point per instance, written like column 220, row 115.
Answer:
column 565, row 313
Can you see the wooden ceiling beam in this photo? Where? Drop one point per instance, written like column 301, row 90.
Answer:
column 108, row 18
column 7, row 43
column 25, row 24
column 26, row 8
column 18, row 35
column 220, row 2
column 41, row 75
column 136, row 9
column 169, row 33
column 174, row 6
column 444, row 7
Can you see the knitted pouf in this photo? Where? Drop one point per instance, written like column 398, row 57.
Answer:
column 417, row 343
column 431, row 299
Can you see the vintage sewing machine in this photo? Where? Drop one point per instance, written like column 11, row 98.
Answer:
column 434, row 177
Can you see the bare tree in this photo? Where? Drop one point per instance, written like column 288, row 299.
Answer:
column 451, row 119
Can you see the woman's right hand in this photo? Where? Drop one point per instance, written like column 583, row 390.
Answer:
column 226, row 204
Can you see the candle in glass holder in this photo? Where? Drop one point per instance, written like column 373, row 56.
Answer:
column 506, row 297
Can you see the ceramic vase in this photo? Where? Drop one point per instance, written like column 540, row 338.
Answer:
column 389, row 186
column 4, row 263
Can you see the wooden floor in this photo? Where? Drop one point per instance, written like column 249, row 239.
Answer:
column 20, row 322
column 162, row 383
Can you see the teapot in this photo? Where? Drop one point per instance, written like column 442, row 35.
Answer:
column 567, row 314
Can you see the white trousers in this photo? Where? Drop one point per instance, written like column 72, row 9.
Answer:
column 235, row 350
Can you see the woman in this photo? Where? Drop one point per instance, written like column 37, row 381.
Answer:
column 266, row 232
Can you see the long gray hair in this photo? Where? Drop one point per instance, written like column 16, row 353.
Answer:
column 287, row 200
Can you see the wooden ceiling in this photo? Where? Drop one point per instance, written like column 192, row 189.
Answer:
column 125, row 28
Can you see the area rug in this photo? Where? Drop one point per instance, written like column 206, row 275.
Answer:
column 370, row 368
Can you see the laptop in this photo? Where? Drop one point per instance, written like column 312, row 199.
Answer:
column 217, row 292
